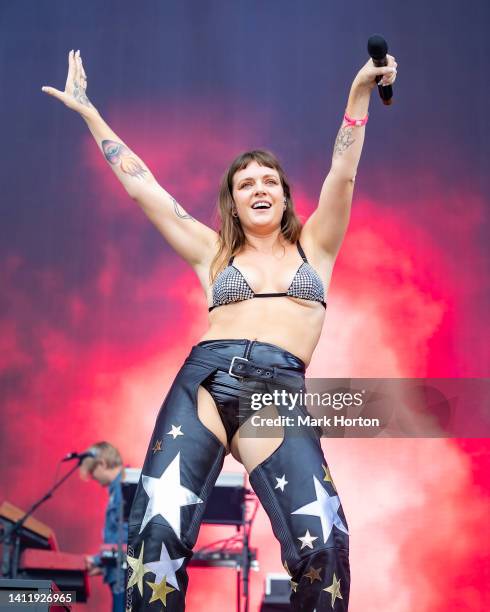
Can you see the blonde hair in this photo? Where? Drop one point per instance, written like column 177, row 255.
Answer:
column 231, row 235
column 105, row 452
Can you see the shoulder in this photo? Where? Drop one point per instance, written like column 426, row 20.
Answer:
column 210, row 268
column 316, row 256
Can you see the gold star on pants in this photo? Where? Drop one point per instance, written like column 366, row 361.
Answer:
column 334, row 589
column 136, row 564
column 313, row 574
column 157, row 446
column 328, row 477
column 160, row 591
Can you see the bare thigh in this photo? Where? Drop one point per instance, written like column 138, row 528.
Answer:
column 251, row 451
column 209, row 416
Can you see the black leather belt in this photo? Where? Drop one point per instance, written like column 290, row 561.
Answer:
column 242, row 368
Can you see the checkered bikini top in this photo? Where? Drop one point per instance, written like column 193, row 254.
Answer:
column 231, row 286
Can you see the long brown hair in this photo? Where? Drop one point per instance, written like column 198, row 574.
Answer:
column 231, row 235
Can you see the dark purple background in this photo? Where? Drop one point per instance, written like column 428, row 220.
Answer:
column 97, row 313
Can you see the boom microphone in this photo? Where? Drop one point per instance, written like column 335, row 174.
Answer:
column 378, row 48
column 80, row 456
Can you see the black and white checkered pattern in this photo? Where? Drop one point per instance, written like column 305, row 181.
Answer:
column 231, row 286
column 307, row 284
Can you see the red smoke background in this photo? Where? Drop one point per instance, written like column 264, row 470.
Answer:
column 93, row 361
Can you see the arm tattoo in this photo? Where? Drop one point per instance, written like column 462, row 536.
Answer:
column 343, row 141
column 119, row 155
column 79, row 93
column 179, row 211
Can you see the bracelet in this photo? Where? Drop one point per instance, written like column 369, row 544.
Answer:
column 356, row 122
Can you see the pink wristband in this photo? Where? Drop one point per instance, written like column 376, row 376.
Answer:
column 355, row 122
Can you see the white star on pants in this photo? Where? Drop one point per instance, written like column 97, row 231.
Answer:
column 325, row 507
column 281, row 482
column 175, row 431
column 307, row 540
column 165, row 568
column 167, row 496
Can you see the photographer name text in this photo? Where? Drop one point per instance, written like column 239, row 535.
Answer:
column 310, row 421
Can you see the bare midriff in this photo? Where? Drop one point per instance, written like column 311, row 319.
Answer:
column 292, row 324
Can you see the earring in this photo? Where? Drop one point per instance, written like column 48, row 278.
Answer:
column 234, row 212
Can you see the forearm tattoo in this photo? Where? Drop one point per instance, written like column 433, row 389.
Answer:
column 344, row 140
column 79, row 93
column 119, row 155
column 179, row 211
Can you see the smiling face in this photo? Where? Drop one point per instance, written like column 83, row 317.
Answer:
column 259, row 197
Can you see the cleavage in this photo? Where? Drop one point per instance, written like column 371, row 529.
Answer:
column 266, row 281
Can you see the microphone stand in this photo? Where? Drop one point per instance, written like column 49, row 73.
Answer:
column 11, row 536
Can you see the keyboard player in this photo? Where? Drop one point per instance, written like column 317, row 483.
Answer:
column 106, row 468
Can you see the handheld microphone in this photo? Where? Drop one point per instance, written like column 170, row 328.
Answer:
column 378, row 48
column 80, row 456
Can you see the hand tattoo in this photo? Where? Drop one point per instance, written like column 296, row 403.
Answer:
column 117, row 154
column 179, row 211
column 80, row 95
column 344, row 140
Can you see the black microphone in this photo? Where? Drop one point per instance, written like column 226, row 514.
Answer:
column 80, row 456
column 378, row 48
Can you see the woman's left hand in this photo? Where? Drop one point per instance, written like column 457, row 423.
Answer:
column 366, row 77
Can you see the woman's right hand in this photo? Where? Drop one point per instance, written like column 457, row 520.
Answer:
column 75, row 94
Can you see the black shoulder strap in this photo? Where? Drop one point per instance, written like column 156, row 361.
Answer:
column 301, row 252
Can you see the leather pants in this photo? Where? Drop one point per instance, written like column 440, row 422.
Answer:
column 184, row 459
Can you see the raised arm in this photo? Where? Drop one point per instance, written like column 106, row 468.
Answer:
column 192, row 240
column 326, row 227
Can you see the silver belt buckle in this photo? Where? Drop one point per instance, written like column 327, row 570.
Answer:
column 232, row 364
